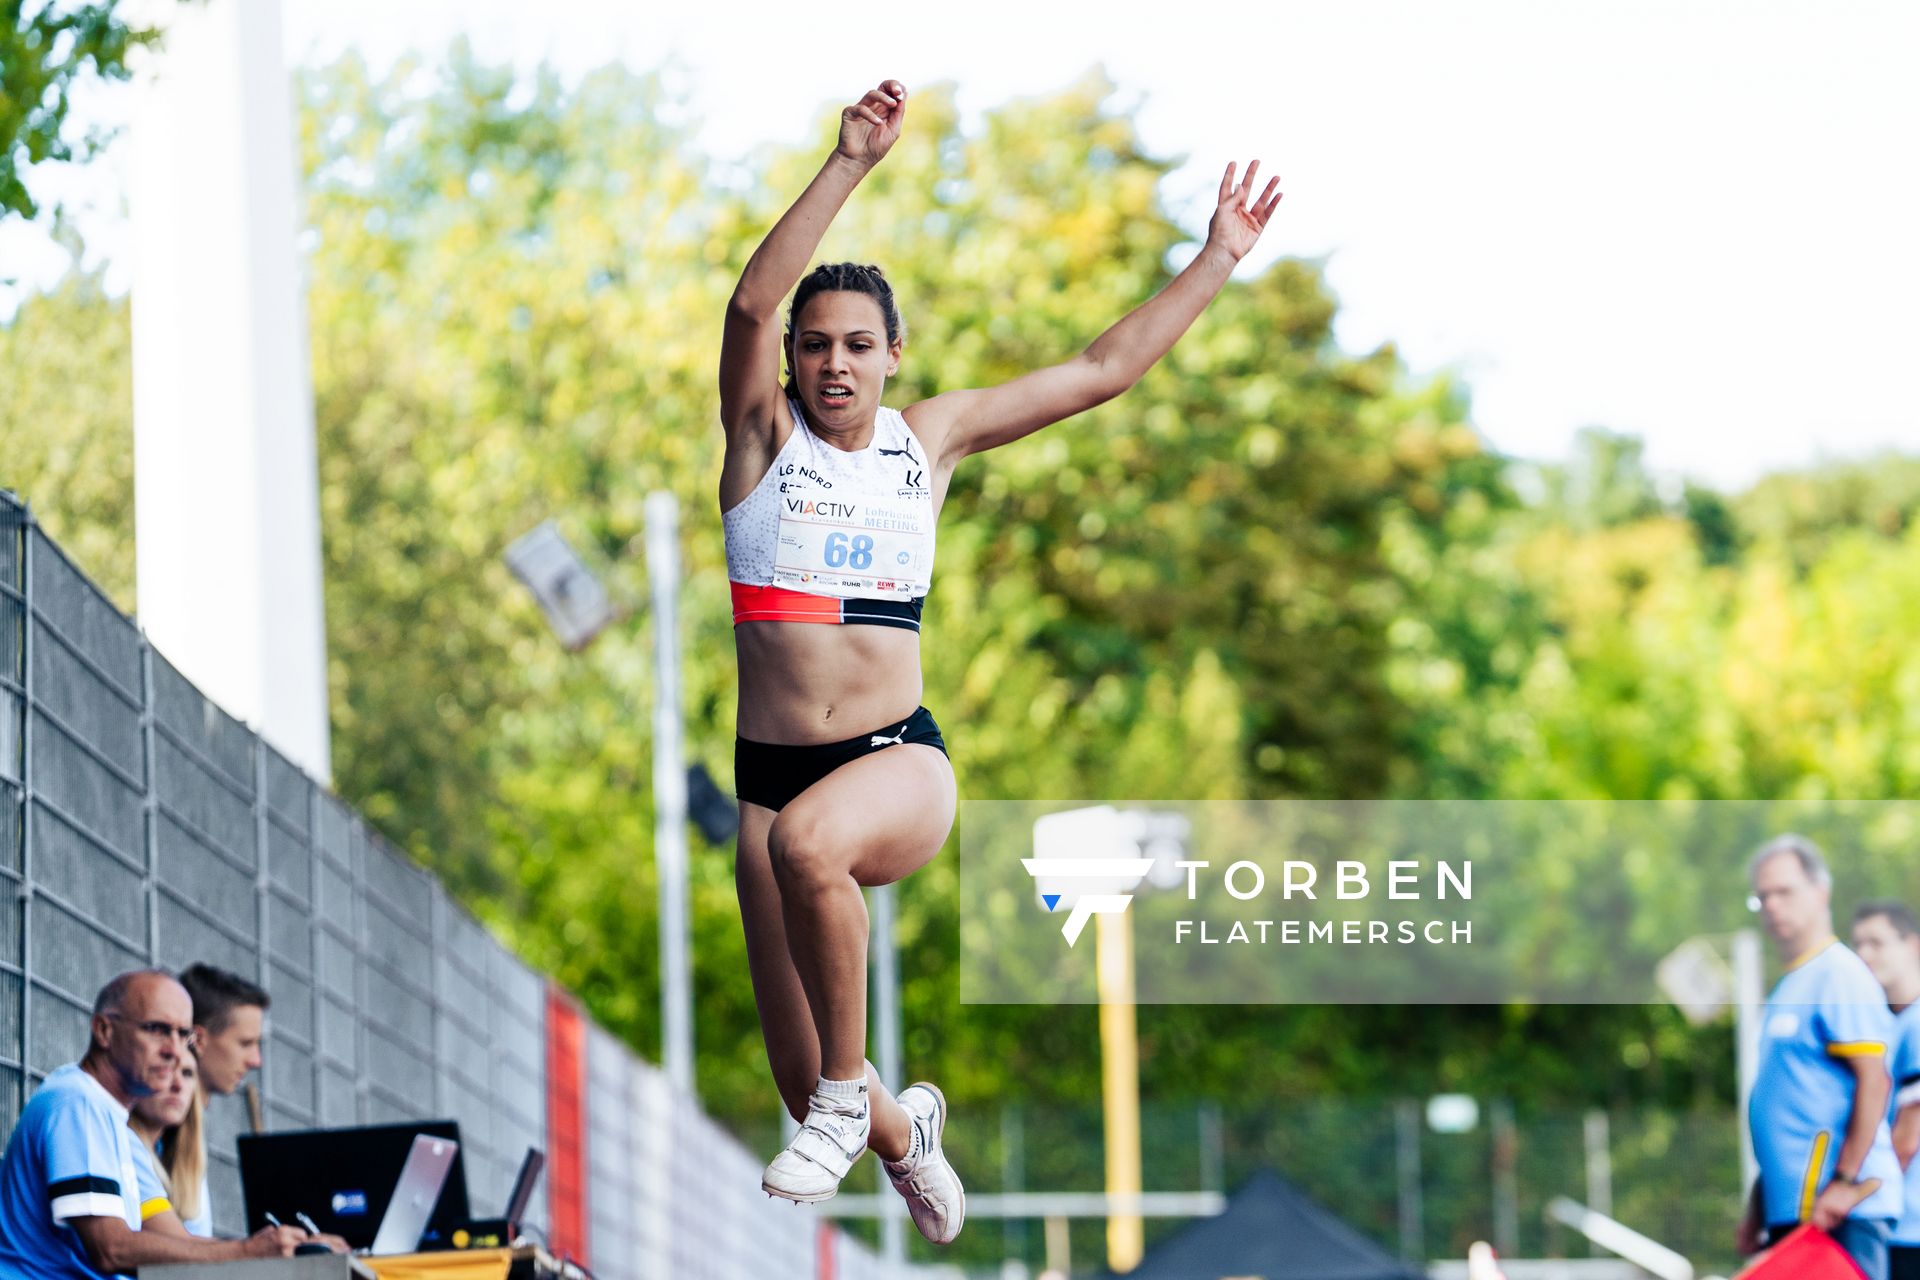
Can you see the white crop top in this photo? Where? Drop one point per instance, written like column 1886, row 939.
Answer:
column 846, row 525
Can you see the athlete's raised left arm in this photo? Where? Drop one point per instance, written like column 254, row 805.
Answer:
column 962, row 422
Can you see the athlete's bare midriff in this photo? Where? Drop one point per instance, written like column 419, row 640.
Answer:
column 803, row 683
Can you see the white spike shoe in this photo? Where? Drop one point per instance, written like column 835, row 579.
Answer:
column 932, row 1190
column 830, row 1140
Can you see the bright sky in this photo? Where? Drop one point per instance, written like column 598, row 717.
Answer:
column 1691, row 221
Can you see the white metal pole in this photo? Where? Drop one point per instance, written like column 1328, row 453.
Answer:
column 1598, row 1139
column 886, row 1006
column 670, row 791
column 1749, row 994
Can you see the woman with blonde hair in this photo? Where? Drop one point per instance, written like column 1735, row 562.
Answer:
column 170, row 1123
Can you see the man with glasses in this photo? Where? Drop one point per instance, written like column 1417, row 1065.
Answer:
column 1819, row 1107
column 75, row 1191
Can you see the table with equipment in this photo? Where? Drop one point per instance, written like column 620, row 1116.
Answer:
column 526, row 1262
column 384, row 1190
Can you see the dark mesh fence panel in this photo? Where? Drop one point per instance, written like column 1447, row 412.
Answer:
column 13, row 763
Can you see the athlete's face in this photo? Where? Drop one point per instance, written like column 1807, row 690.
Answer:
column 1895, row 960
column 1792, row 907
column 841, row 358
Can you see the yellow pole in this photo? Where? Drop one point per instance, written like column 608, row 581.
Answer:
column 1119, row 1082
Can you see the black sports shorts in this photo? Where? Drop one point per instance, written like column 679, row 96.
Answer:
column 771, row 775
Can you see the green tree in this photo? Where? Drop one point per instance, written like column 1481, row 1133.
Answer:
column 1801, row 513
column 66, row 423
column 1605, row 483
column 46, row 48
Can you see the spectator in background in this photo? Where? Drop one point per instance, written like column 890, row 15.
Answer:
column 229, row 1025
column 1887, row 936
column 169, row 1123
column 75, row 1191
column 1819, row 1107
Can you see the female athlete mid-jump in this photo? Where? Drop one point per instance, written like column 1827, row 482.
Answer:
column 829, row 502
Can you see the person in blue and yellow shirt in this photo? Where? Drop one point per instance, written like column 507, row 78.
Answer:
column 79, row 1199
column 1887, row 936
column 1818, row 1111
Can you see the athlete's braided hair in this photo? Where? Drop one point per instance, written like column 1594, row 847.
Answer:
column 846, row 277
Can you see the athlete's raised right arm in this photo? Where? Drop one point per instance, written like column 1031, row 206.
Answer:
column 750, row 345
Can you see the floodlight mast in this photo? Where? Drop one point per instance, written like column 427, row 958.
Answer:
column 670, row 789
column 577, row 608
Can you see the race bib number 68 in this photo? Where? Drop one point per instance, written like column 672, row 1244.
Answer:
column 854, row 549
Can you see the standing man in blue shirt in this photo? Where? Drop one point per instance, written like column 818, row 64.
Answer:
column 1887, row 936
column 1819, row 1107
column 75, row 1189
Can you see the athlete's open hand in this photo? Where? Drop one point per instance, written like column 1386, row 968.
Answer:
column 1237, row 224
column 870, row 127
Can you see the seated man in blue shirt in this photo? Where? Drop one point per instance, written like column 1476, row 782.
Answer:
column 1818, row 1111
column 75, row 1189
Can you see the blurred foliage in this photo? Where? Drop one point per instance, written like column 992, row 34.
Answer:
column 66, row 423
column 1800, row 514
column 46, row 48
column 1273, row 569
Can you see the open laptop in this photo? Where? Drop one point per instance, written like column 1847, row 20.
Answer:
column 523, row 1188
column 415, row 1195
column 493, row 1233
column 344, row 1179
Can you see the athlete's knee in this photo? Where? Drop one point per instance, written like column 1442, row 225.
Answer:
column 805, row 850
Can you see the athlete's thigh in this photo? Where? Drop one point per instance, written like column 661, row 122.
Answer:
column 881, row 817
column 786, row 1020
